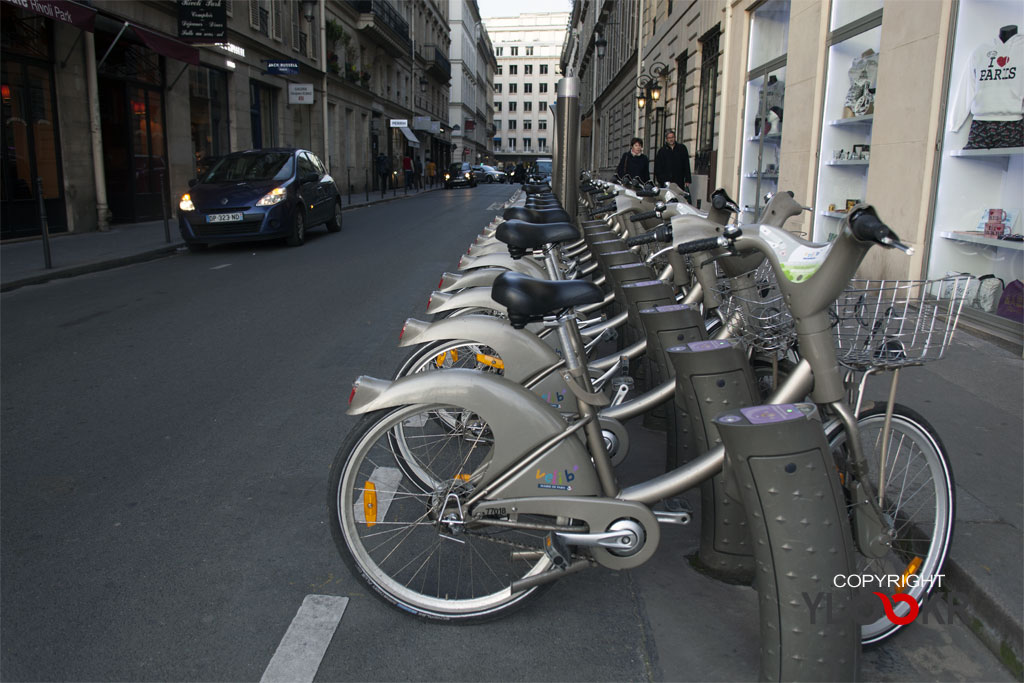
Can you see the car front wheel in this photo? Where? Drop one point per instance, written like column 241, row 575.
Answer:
column 298, row 236
column 334, row 225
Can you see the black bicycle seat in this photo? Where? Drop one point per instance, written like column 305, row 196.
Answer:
column 529, row 299
column 520, row 235
column 538, row 215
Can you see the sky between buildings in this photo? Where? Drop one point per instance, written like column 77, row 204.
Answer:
column 504, row 8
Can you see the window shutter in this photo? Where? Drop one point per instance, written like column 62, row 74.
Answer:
column 295, row 25
column 254, row 14
column 276, row 19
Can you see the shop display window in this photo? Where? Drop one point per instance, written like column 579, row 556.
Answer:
column 765, row 105
column 978, row 204
column 845, row 151
column 847, row 12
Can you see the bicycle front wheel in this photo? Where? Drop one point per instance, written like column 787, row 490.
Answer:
column 396, row 495
column 918, row 497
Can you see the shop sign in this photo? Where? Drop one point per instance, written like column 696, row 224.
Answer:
column 278, row 66
column 202, row 21
column 72, row 13
column 399, row 123
column 300, row 93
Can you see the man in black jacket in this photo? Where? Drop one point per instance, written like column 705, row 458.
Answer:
column 672, row 163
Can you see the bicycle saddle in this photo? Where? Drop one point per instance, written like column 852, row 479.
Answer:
column 521, row 236
column 522, row 213
column 529, row 299
column 530, row 188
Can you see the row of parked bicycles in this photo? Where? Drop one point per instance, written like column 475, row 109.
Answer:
column 485, row 469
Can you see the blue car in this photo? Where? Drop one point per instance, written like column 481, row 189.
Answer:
column 259, row 194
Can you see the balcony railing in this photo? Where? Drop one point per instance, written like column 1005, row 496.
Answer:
column 386, row 15
column 437, row 62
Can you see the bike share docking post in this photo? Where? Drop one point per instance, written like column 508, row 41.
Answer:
column 778, row 459
column 632, row 297
column 711, row 378
column 567, row 117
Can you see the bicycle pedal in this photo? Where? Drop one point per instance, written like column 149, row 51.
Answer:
column 673, row 511
column 556, row 549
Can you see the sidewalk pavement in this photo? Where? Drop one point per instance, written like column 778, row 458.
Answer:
column 973, row 398
column 22, row 262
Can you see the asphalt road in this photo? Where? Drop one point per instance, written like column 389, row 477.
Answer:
column 167, row 430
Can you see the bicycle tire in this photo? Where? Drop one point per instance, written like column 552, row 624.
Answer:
column 918, row 459
column 405, row 562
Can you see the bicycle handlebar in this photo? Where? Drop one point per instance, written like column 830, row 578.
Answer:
column 706, row 244
column 637, row 217
column 603, row 209
column 866, row 227
column 662, row 233
column 605, row 197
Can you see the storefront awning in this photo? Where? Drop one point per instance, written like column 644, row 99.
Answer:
column 413, row 140
column 69, row 12
column 167, row 46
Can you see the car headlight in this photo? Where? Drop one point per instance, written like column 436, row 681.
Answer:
column 467, row 175
column 186, row 203
column 447, row 176
column 275, row 196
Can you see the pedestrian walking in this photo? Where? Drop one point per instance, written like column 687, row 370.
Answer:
column 634, row 163
column 672, row 163
column 417, row 167
column 383, row 172
column 431, row 172
column 407, row 169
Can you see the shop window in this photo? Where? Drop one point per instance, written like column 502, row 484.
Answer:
column 263, row 115
column 208, row 104
column 978, row 201
column 765, row 102
column 845, row 152
column 706, row 106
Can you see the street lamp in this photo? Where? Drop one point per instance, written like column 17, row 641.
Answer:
column 600, row 44
column 649, row 85
column 309, row 10
column 423, row 84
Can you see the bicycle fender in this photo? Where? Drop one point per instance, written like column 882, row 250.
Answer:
column 521, row 352
column 523, row 265
column 481, row 277
column 472, row 297
column 496, row 247
column 519, row 421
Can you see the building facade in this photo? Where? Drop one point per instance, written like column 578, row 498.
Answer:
column 471, row 109
column 839, row 101
column 527, row 48
column 109, row 112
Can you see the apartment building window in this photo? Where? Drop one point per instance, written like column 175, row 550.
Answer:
column 527, row 106
column 512, row 88
column 543, row 69
column 513, row 69
column 543, row 87
column 511, row 124
column 528, row 69
column 528, row 87
column 542, row 106
column 497, row 88
column 526, row 143
column 706, row 107
column 529, row 51
column 497, row 124
column 542, row 124
column 680, row 95
column 542, row 144
column 514, row 51
column 498, row 51
column 497, row 106
column 511, row 106
column 500, row 69
column 512, row 144
column 528, row 124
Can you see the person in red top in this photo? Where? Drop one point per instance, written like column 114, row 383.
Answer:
column 407, row 167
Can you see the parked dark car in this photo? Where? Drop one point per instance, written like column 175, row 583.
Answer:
column 259, row 194
column 488, row 174
column 459, row 174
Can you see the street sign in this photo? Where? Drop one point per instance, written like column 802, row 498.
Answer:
column 279, row 66
column 300, row 93
column 399, row 123
column 202, row 21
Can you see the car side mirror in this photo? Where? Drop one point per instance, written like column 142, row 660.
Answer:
column 192, row 182
column 310, row 177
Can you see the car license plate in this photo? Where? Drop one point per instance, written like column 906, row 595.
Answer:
column 223, row 217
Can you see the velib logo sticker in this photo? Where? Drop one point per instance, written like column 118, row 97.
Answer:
column 558, row 479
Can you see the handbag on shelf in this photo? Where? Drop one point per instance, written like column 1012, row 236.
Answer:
column 1011, row 303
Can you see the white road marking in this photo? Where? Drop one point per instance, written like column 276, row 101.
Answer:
column 223, row 265
column 495, row 205
column 300, row 652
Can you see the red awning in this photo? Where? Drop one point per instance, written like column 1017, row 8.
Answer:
column 167, row 46
column 69, row 12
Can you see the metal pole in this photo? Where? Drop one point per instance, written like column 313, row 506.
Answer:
column 568, row 115
column 163, row 205
column 556, row 155
column 44, row 224
column 366, row 184
column 348, row 174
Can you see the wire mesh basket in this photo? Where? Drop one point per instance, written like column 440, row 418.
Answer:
column 888, row 324
column 752, row 304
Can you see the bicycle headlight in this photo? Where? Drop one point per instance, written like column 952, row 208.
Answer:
column 275, row 196
column 186, row 203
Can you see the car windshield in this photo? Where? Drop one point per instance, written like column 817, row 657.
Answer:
column 266, row 166
column 544, row 166
column 455, row 168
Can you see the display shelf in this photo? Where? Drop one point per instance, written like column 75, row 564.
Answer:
column 848, row 162
column 833, row 214
column 770, row 138
column 854, row 121
column 764, row 176
column 976, row 237
column 1000, row 152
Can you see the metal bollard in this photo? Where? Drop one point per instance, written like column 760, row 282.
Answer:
column 44, row 224
column 164, row 205
column 568, row 115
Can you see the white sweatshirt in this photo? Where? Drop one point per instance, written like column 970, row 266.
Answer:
column 992, row 85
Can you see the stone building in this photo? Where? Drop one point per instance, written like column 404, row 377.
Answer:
column 471, row 109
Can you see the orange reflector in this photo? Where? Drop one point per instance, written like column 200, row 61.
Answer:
column 912, row 568
column 440, row 359
column 493, row 361
column 370, row 504
column 462, row 477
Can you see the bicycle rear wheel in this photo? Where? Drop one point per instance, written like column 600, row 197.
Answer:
column 920, row 499
column 395, row 499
